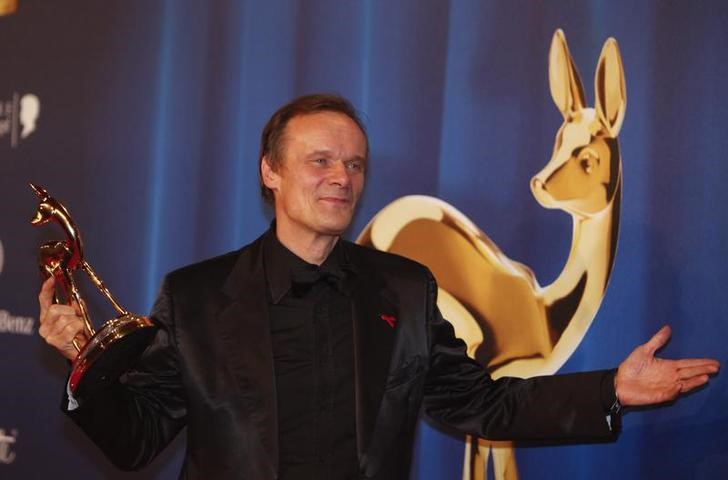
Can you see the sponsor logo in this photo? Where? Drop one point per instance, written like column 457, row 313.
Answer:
column 10, row 323
column 7, row 442
column 17, row 325
column 19, row 117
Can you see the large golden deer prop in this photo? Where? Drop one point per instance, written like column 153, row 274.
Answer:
column 510, row 323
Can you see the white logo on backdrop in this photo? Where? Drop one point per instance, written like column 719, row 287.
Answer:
column 6, row 443
column 29, row 111
column 19, row 117
column 10, row 323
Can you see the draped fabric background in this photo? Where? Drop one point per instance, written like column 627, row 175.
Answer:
column 150, row 113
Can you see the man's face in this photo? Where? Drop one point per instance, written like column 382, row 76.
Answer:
column 321, row 176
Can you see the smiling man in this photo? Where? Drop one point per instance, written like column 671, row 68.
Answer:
column 316, row 176
column 304, row 356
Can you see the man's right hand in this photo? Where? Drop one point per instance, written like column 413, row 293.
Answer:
column 60, row 324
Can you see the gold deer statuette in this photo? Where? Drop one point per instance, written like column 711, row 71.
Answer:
column 110, row 351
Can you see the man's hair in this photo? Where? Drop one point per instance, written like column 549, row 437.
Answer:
column 272, row 139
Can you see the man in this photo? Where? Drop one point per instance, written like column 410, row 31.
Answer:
column 305, row 356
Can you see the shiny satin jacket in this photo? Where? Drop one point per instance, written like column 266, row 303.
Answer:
column 210, row 368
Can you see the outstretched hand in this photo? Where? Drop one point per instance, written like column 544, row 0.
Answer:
column 643, row 379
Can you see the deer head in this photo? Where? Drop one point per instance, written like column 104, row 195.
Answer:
column 584, row 171
column 47, row 207
column 50, row 209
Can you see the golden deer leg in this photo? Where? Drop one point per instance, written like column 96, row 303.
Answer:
column 477, row 454
column 84, row 311
column 504, row 459
column 474, row 464
column 102, row 287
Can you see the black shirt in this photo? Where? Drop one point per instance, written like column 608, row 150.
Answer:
column 312, row 335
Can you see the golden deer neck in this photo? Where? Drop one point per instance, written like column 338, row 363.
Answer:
column 593, row 246
column 69, row 228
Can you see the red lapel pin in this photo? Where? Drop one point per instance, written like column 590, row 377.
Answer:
column 390, row 319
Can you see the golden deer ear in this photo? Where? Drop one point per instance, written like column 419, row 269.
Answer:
column 610, row 88
column 39, row 191
column 566, row 88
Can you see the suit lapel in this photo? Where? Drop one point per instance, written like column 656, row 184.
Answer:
column 373, row 342
column 245, row 334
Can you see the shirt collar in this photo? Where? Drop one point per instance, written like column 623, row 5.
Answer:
column 278, row 262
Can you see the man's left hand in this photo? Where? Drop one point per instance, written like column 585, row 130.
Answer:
column 643, row 379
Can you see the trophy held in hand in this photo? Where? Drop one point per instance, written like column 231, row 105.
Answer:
column 113, row 349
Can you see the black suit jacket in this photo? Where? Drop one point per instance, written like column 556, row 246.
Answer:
column 211, row 368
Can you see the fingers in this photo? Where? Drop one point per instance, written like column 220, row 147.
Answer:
column 59, row 325
column 56, row 317
column 47, row 290
column 708, row 363
column 690, row 372
column 77, row 308
column 658, row 340
column 693, row 382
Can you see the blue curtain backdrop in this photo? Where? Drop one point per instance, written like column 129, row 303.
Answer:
column 150, row 113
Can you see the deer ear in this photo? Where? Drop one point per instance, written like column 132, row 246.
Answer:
column 566, row 88
column 39, row 191
column 609, row 87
